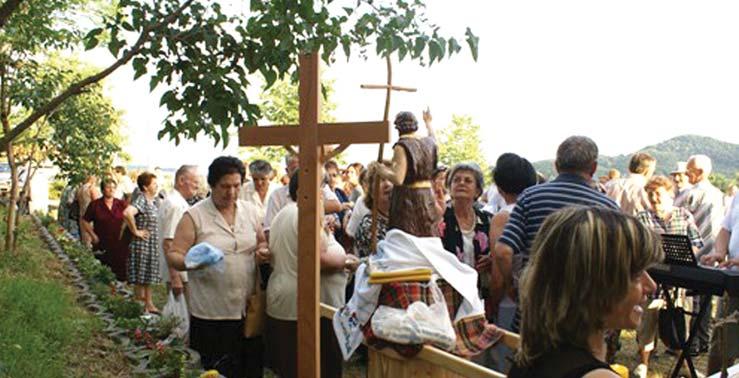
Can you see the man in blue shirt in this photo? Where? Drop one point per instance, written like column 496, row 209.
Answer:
column 577, row 161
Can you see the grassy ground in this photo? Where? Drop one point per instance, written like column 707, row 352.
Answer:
column 660, row 364
column 43, row 331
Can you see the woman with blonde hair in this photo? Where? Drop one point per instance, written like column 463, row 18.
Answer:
column 587, row 275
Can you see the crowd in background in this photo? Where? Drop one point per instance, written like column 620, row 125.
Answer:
column 249, row 211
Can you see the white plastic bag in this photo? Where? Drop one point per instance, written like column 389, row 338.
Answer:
column 177, row 307
column 418, row 324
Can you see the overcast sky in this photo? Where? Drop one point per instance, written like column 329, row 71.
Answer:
column 628, row 74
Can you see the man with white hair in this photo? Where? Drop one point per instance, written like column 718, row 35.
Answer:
column 706, row 203
column 175, row 204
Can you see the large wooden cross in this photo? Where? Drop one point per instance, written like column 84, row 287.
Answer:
column 310, row 136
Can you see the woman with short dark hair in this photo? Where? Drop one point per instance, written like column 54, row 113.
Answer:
column 588, row 273
column 143, row 263
column 102, row 221
column 217, row 299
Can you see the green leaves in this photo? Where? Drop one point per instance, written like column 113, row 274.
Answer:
column 139, row 67
column 473, row 41
column 91, row 39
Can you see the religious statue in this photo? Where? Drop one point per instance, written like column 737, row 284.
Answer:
column 413, row 207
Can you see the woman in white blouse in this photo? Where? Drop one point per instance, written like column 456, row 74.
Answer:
column 217, row 300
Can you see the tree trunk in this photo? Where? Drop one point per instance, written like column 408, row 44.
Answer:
column 13, row 195
column 13, row 198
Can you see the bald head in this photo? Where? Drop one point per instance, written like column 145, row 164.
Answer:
column 186, row 181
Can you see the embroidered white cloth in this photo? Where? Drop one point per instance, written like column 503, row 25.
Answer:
column 398, row 251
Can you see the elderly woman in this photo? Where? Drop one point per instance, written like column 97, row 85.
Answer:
column 413, row 208
column 465, row 228
column 282, row 301
column 257, row 190
column 363, row 236
column 663, row 218
column 103, row 221
column 563, row 325
column 217, row 299
column 141, row 218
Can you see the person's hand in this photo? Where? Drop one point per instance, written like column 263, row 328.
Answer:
column 141, row 234
column 352, row 263
column 730, row 263
column 483, row 263
column 711, row 259
column 95, row 239
column 427, row 115
column 263, row 255
column 178, row 289
column 347, row 206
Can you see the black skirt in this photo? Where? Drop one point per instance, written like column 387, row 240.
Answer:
column 223, row 347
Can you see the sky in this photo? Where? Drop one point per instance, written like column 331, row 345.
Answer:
column 627, row 74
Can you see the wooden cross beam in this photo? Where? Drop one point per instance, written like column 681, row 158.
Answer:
column 389, row 88
column 310, row 136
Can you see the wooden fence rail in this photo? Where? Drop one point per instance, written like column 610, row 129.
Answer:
column 442, row 359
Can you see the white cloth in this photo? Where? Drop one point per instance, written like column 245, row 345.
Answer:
column 731, row 224
column 359, row 211
column 397, row 251
column 170, row 213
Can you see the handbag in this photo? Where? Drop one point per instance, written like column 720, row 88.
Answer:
column 256, row 305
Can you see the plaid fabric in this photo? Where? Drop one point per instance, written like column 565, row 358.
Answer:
column 474, row 334
column 681, row 223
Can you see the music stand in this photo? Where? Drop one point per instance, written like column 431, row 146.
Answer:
column 679, row 251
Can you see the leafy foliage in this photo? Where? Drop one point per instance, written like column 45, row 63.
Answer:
column 205, row 57
column 82, row 136
column 460, row 142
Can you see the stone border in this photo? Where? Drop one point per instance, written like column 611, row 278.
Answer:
column 138, row 359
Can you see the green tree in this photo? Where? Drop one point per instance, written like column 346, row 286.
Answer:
column 205, row 57
column 80, row 137
column 460, row 142
column 202, row 56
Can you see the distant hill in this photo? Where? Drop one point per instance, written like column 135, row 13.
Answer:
column 725, row 156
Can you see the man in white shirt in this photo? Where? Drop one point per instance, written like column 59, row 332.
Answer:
column 258, row 190
column 706, row 203
column 170, row 212
column 726, row 252
column 281, row 197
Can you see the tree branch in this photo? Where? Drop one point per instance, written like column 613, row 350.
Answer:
column 7, row 9
column 79, row 87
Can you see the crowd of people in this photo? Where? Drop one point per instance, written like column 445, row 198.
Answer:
column 533, row 242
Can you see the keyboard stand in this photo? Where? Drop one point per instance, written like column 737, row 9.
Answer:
column 685, row 352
